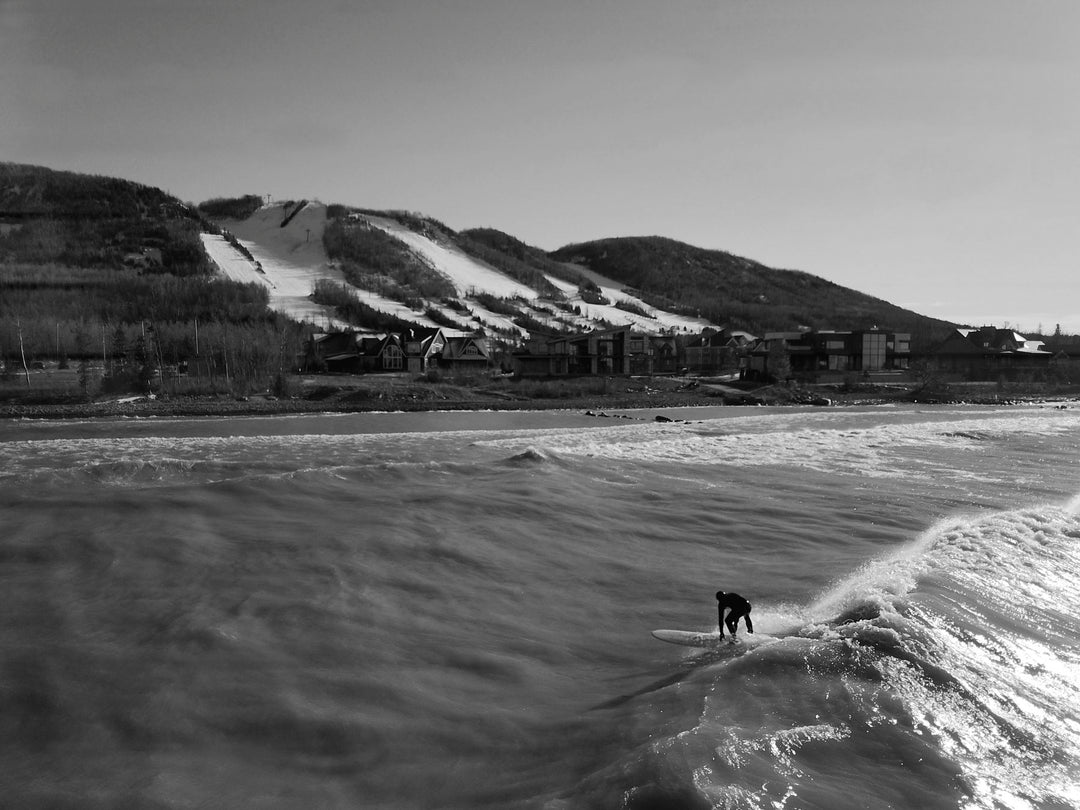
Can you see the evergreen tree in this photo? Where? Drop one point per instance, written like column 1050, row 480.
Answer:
column 118, row 350
column 779, row 360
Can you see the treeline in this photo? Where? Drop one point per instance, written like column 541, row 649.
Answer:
column 63, row 313
column 529, row 270
column 35, row 191
column 349, row 308
column 166, row 246
column 112, row 276
column 369, row 256
column 115, row 357
column 54, row 292
column 231, row 207
column 514, row 249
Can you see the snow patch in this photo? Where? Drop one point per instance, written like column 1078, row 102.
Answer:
column 465, row 273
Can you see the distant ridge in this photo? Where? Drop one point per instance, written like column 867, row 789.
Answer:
column 740, row 292
column 425, row 272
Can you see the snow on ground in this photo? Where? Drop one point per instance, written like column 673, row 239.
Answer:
column 465, row 272
column 493, row 320
column 468, row 274
column 293, row 259
column 230, row 261
column 236, row 266
column 612, row 291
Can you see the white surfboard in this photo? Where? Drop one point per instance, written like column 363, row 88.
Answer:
column 691, row 638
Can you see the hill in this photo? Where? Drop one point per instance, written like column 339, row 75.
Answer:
column 99, row 267
column 385, row 270
column 739, row 292
column 112, row 275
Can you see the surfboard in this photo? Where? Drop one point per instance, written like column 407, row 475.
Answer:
column 692, row 638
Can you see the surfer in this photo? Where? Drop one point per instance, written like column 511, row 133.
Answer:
column 739, row 609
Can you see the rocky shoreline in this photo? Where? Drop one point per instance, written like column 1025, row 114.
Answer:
column 433, row 397
column 273, row 406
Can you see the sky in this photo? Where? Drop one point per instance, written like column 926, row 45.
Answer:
column 925, row 152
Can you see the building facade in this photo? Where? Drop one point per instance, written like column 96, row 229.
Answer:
column 825, row 354
column 417, row 350
column 989, row 353
column 618, row 351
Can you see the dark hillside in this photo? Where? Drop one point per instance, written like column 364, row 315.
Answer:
column 34, row 191
column 740, row 292
column 513, row 257
column 96, row 222
column 113, row 275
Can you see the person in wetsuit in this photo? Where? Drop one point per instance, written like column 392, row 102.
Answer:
column 739, row 609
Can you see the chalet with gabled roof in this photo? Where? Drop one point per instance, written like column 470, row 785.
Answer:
column 428, row 348
column 417, row 350
column 356, row 352
column 716, row 351
column 988, row 353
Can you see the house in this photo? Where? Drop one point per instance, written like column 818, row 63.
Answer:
column 417, row 350
column 715, row 351
column 823, row 354
column 620, row 350
column 356, row 352
column 988, row 353
column 464, row 352
column 429, row 348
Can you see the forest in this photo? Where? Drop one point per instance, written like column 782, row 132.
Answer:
column 110, row 276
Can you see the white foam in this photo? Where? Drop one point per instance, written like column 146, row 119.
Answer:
column 827, row 442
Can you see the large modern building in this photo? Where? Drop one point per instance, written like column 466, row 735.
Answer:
column 622, row 350
column 827, row 353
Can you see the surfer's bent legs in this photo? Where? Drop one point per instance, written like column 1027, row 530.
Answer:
column 732, row 621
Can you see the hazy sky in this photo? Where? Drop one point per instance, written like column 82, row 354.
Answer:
column 924, row 151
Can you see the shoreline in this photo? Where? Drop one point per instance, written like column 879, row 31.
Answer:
column 417, row 397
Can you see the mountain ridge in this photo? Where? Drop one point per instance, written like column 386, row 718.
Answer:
column 650, row 282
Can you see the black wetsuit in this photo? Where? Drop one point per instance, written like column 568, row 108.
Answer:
column 740, row 609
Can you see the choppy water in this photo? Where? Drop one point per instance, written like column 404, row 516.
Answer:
column 454, row 610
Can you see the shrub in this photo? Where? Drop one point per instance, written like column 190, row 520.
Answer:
column 231, row 207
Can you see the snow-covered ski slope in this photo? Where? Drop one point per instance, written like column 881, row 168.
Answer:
column 292, row 258
column 467, row 273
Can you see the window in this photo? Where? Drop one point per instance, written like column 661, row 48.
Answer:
column 393, row 358
column 873, row 351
